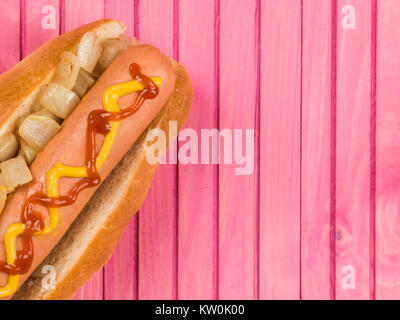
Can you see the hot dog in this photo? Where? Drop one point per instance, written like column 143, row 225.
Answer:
column 138, row 88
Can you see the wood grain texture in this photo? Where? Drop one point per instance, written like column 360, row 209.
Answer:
column 93, row 289
column 280, row 151
column 198, row 189
column 78, row 13
column 315, row 192
column 123, row 10
column 388, row 152
column 237, row 214
column 39, row 33
column 353, row 156
column 9, row 33
column 157, row 220
column 120, row 273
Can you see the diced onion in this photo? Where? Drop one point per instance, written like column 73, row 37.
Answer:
column 15, row 172
column 3, row 184
column 3, row 198
column 84, row 82
column 112, row 48
column 67, row 70
column 27, row 152
column 20, row 121
column 59, row 100
column 89, row 51
column 124, row 39
column 45, row 113
column 8, row 146
column 37, row 131
column 37, row 105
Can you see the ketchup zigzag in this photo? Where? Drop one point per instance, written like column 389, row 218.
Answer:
column 104, row 122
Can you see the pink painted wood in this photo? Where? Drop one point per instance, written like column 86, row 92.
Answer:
column 238, row 105
column 353, row 154
column 9, row 33
column 82, row 12
column 158, row 217
column 322, row 201
column 280, row 169
column 198, row 191
column 34, row 13
column 123, row 11
column 388, row 152
column 315, row 192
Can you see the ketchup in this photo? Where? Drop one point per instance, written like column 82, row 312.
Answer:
column 99, row 122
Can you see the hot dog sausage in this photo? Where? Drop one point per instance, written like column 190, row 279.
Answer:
column 68, row 146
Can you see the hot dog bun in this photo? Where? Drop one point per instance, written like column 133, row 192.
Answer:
column 104, row 217
column 90, row 241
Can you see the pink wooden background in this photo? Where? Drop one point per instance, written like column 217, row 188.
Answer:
column 324, row 198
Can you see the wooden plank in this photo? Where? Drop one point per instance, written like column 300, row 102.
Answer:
column 9, row 33
column 156, row 25
column 157, row 219
column 280, row 151
column 353, row 154
column 388, row 151
column 42, row 23
column 93, row 289
column 123, row 10
column 316, row 126
column 198, row 191
column 120, row 273
column 78, row 13
column 238, row 213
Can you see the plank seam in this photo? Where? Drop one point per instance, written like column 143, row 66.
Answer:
column 175, row 245
column 136, row 6
column 332, row 216
column 257, row 125
column 103, row 271
column 22, row 29
column 217, row 121
column 136, row 30
column 374, row 17
column 62, row 16
column 301, row 150
column 136, row 266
